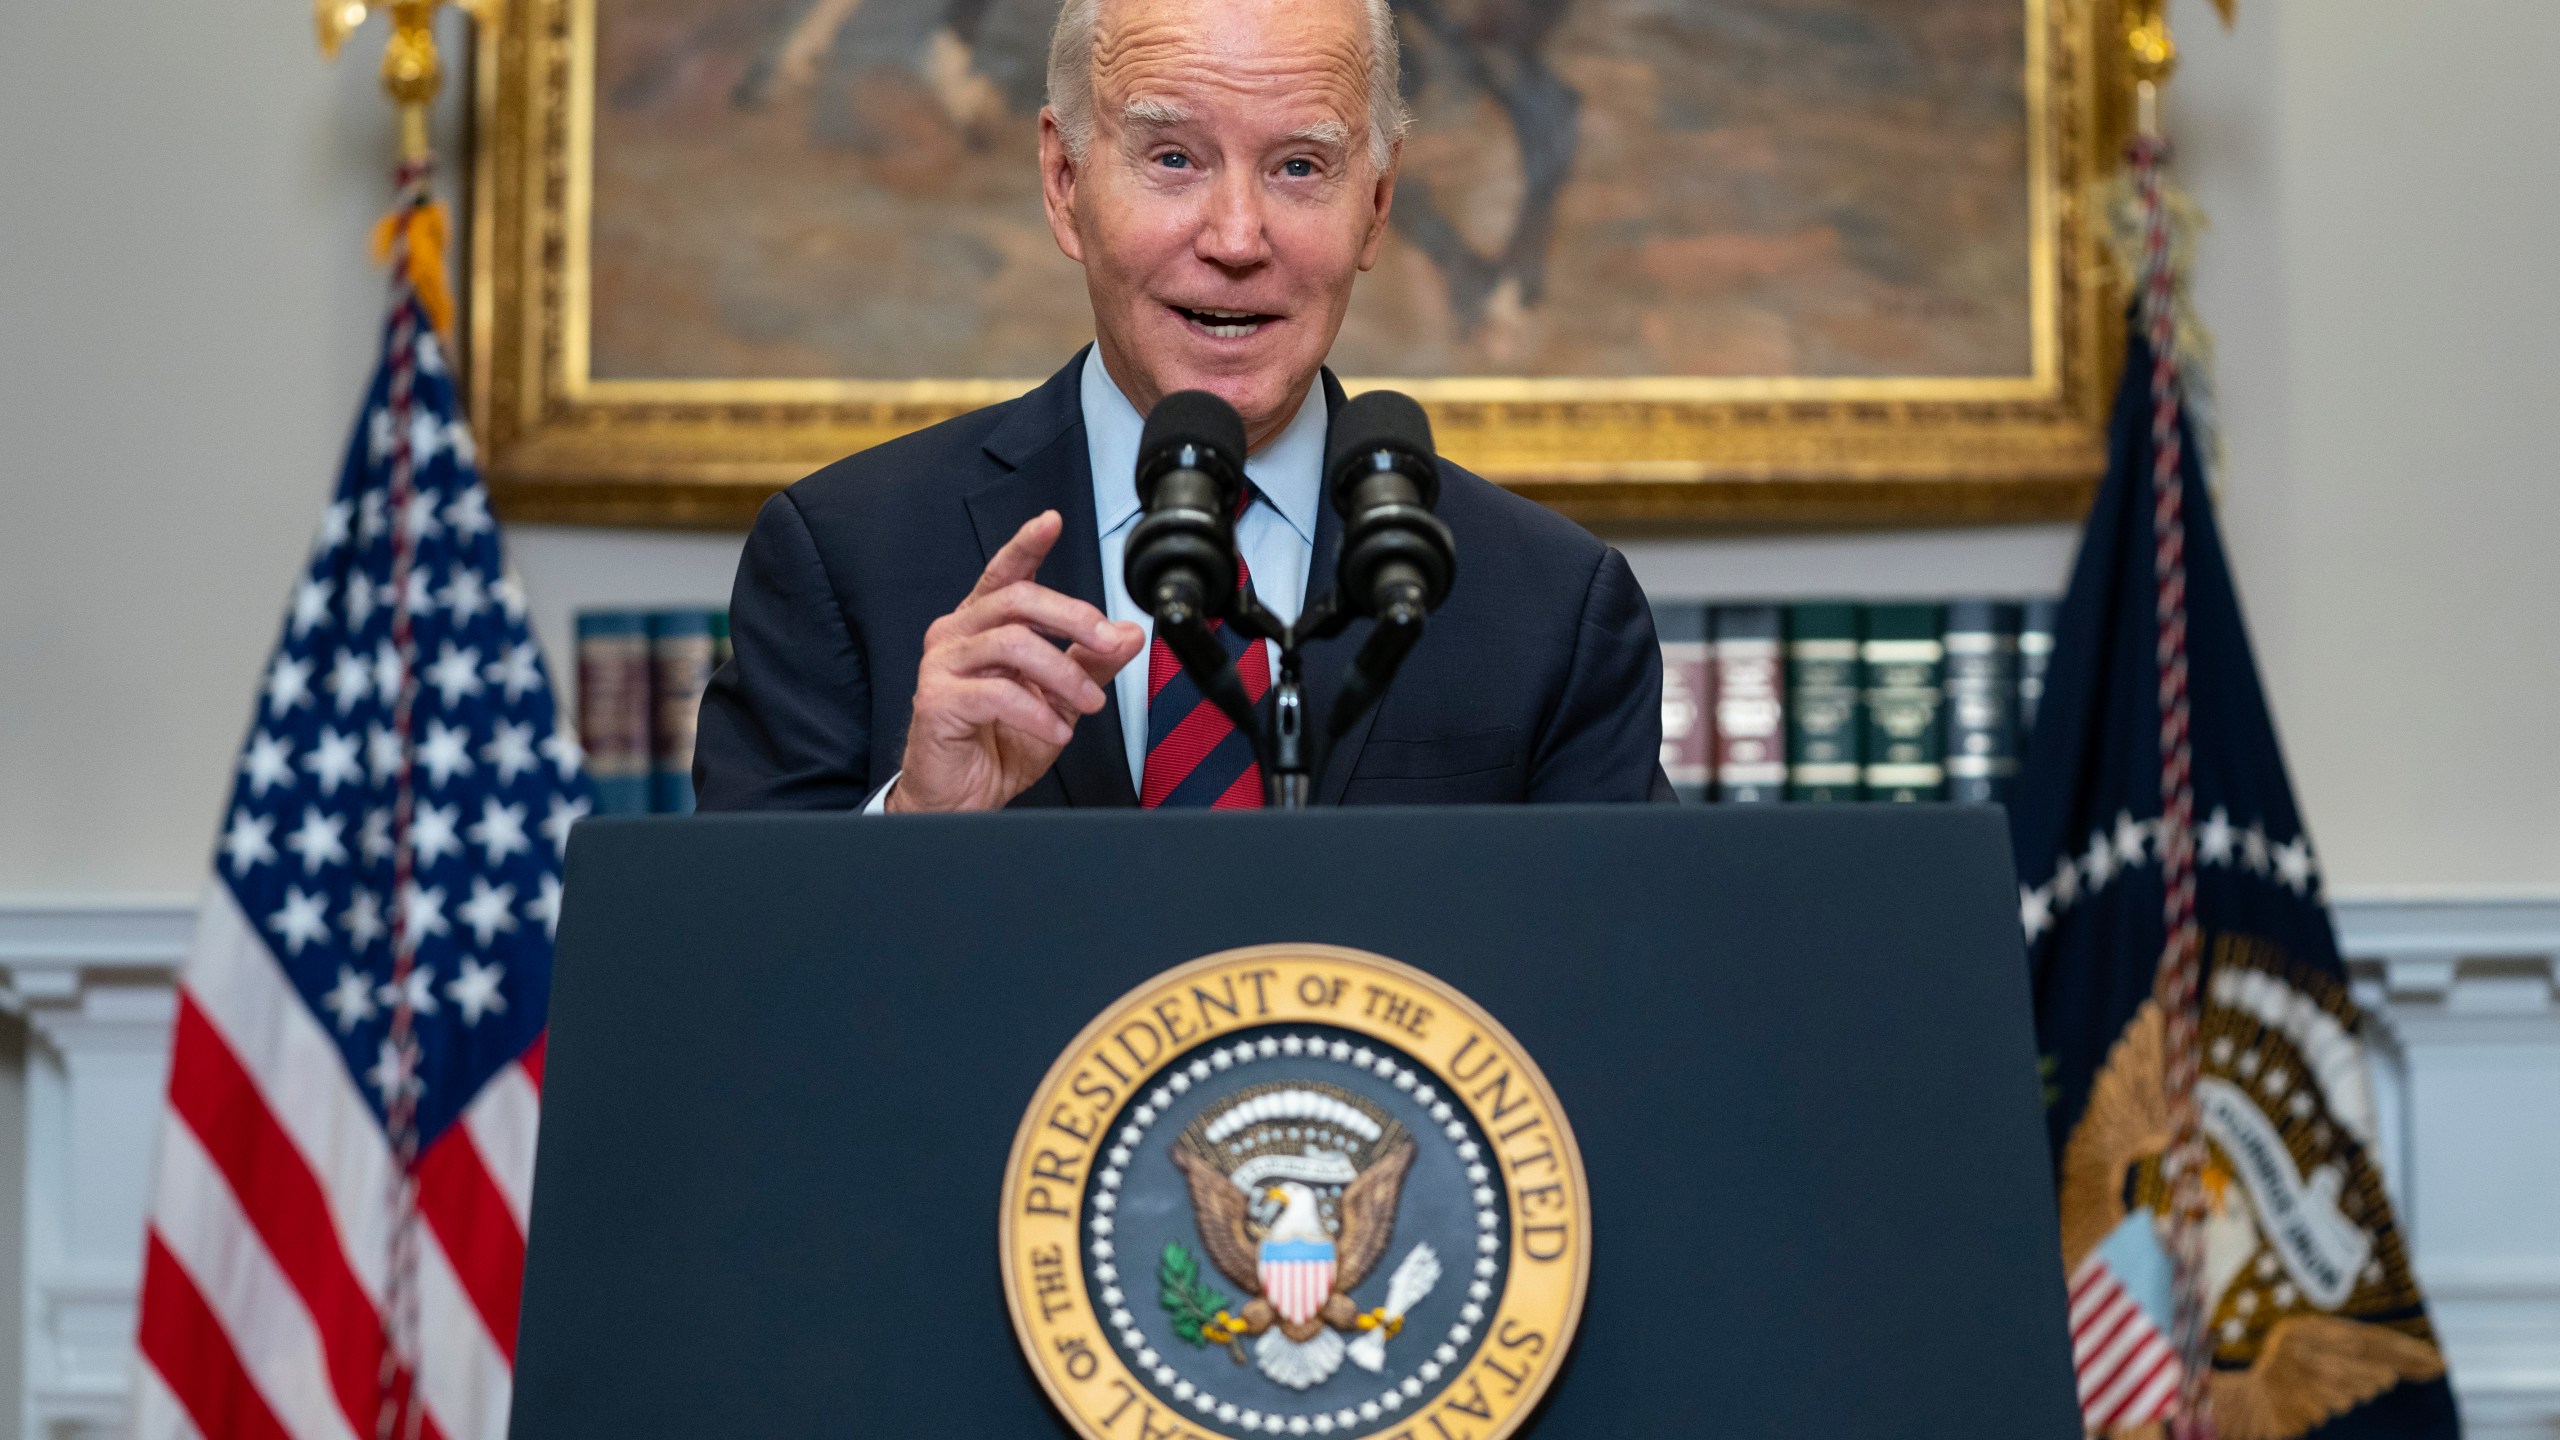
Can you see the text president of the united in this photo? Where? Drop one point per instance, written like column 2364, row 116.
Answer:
column 938, row 623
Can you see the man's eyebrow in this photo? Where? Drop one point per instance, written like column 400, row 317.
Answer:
column 1154, row 113
column 1322, row 132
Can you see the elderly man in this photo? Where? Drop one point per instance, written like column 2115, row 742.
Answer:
column 939, row 623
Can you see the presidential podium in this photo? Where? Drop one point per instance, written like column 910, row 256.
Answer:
column 791, row 1057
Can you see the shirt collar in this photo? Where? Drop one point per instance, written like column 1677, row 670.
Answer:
column 1289, row 471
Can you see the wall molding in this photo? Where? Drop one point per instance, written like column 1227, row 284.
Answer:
column 2463, row 995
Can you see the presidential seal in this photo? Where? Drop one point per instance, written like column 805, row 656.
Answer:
column 1295, row 1190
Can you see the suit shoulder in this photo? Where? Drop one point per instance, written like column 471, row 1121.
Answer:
column 895, row 476
column 1485, row 513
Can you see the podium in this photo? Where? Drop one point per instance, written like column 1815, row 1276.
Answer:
column 790, row 1055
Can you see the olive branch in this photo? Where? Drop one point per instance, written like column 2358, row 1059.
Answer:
column 1195, row 1307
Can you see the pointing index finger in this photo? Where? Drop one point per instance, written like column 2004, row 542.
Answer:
column 1020, row 557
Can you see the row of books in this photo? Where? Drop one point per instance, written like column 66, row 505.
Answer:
column 1823, row 701
column 1840, row 700
column 641, row 674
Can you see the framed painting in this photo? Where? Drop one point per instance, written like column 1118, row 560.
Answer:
column 1743, row 261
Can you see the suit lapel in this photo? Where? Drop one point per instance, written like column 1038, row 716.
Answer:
column 1325, row 661
column 1043, row 441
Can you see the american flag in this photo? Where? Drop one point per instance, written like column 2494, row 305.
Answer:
column 337, row 1227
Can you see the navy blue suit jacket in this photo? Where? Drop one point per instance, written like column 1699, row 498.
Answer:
column 1538, row 680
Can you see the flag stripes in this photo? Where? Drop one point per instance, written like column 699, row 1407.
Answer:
column 258, row 1318
column 2129, row 1373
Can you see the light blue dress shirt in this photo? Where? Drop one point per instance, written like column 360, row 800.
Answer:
column 1276, row 535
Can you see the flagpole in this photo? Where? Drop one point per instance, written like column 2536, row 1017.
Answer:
column 411, row 240
column 2177, row 986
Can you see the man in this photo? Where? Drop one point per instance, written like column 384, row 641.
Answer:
column 939, row 623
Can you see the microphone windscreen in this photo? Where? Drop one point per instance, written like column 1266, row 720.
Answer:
column 1193, row 417
column 1377, row 419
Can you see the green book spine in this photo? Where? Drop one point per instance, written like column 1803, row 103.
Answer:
column 1982, row 701
column 613, row 708
column 1688, row 700
column 1905, row 657
column 1750, row 703
column 681, row 657
column 1825, row 724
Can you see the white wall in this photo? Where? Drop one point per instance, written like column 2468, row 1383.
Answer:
column 185, row 311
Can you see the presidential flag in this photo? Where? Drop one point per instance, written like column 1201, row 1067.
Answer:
column 2232, row 1257
column 337, row 1225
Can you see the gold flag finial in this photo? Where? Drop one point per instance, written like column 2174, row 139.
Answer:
column 411, row 69
column 2152, row 53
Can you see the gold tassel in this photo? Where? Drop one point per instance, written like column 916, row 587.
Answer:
column 427, row 228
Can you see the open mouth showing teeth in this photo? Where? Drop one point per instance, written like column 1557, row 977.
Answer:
column 1225, row 324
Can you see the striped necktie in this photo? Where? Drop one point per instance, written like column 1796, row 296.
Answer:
column 1195, row 755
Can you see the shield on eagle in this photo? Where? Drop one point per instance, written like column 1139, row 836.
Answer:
column 1297, row 1275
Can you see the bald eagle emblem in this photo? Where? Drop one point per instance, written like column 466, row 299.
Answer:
column 1294, row 1187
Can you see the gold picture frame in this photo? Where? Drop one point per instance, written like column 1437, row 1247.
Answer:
column 562, row 445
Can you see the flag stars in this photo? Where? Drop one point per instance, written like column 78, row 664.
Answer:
column 419, row 597
column 362, row 920
column 389, row 673
column 466, row 596
column 508, row 591
column 375, row 838
column 268, row 763
column 545, row 906
column 247, row 843
column 310, row 604
column 318, row 840
column 333, row 525
column 2099, row 865
column 565, row 812
column 418, row 513
column 475, row 991
column 510, row 750
column 455, row 675
column 360, row 600
column 2131, row 838
column 517, row 671
column 431, row 833
column 416, row 991
column 301, row 922
column 350, row 681
column 565, row 754
column 391, row 1075
column 350, row 1001
column 2215, row 839
column 2253, row 849
column 421, row 914
column 383, row 753
column 426, row 437
column 490, row 910
column 373, row 516
column 445, row 753
column 333, row 761
column 288, row 684
column 469, row 512
column 2035, row 911
column 2294, row 865
column 499, row 832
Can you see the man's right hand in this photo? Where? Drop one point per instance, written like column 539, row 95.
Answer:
column 996, row 700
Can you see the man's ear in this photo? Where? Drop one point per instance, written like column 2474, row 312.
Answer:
column 1382, row 199
column 1058, row 186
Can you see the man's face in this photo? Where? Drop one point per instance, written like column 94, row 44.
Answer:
column 1227, row 198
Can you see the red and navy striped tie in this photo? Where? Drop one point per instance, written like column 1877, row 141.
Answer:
column 1195, row 755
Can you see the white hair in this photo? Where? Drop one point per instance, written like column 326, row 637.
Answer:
column 1071, row 79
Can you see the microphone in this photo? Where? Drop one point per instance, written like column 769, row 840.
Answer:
column 1398, row 559
column 1181, row 560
